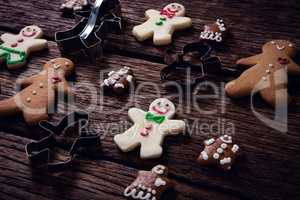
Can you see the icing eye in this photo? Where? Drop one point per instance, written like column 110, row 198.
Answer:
column 33, row 30
column 159, row 103
column 290, row 45
column 173, row 6
column 167, row 105
column 178, row 8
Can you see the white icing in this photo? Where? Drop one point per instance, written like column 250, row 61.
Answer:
column 204, row 155
column 28, row 99
column 159, row 169
column 111, row 73
column 227, row 139
column 280, row 48
column 109, row 81
column 235, row 148
column 216, row 156
column 270, row 65
column 224, row 145
column 129, row 78
column 220, row 150
column 159, row 182
column 154, row 192
column 41, row 85
column 290, row 45
column 209, row 142
column 268, row 71
column 264, row 78
column 225, row 161
column 119, row 85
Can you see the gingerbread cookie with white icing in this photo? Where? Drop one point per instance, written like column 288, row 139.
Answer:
column 119, row 81
column 220, row 152
column 214, row 32
column 161, row 24
column 149, row 185
column 150, row 128
column 39, row 92
column 268, row 74
column 15, row 48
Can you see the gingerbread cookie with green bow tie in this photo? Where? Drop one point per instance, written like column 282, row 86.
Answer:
column 150, row 128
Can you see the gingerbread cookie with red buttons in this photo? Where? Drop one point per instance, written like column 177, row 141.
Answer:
column 268, row 73
column 39, row 91
column 149, row 185
column 15, row 48
column 119, row 81
column 220, row 152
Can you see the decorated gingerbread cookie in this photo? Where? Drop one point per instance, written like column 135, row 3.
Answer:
column 150, row 128
column 220, row 152
column 149, row 185
column 214, row 32
column 268, row 73
column 69, row 6
column 118, row 81
column 15, row 48
column 39, row 92
column 161, row 25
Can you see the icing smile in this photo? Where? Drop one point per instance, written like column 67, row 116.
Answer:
column 172, row 11
column 280, row 47
column 159, row 111
column 28, row 34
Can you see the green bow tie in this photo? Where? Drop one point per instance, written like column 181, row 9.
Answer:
column 153, row 118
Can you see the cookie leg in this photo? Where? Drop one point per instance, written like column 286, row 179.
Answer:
column 149, row 151
column 143, row 32
column 34, row 117
column 162, row 38
column 243, row 85
column 9, row 107
column 126, row 141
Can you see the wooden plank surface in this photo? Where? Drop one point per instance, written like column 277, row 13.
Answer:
column 269, row 157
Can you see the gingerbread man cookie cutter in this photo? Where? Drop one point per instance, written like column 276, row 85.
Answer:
column 149, row 185
column 39, row 153
column 161, row 25
column 195, row 59
column 87, row 36
column 15, row 49
column 38, row 92
column 150, row 128
column 268, row 73
column 221, row 152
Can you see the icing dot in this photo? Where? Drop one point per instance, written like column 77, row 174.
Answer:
column 264, row 78
column 273, row 42
column 28, row 99
column 154, row 192
column 34, row 92
column 140, row 185
column 143, row 187
column 290, row 45
column 224, row 146
column 268, row 71
column 159, row 23
column 14, row 45
column 235, row 148
column 216, row 156
column 149, row 189
column 210, row 141
column 220, row 150
column 270, row 65
column 204, row 155
column 41, row 85
column 134, row 185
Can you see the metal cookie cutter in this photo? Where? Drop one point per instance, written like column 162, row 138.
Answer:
column 193, row 65
column 87, row 36
column 39, row 153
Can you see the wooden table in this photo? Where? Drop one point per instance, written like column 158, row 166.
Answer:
column 268, row 168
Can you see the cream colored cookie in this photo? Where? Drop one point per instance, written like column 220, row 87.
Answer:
column 15, row 48
column 161, row 25
column 150, row 128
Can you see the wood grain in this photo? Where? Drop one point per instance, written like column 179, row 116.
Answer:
column 269, row 157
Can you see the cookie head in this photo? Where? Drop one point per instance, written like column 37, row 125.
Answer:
column 163, row 107
column 31, row 32
column 60, row 65
column 176, row 8
column 286, row 47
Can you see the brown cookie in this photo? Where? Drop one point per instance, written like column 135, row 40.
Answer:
column 149, row 185
column 214, row 32
column 39, row 92
column 119, row 82
column 268, row 73
column 220, row 152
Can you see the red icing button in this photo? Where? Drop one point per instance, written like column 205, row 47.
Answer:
column 21, row 40
column 144, row 133
column 14, row 45
column 283, row 61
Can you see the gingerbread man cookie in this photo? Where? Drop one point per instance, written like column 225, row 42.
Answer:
column 221, row 152
column 149, row 185
column 150, row 128
column 15, row 48
column 39, row 92
column 268, row 73
column 119, row 81
column 161, row 25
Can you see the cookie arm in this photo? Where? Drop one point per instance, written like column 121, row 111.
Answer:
column 136, row 115
column 293, row 68
column 151, row 13
column 173, row 127
column 181, row 22
column 38, row 44
column 23, row 83
column 7, row 37
column 252, row 60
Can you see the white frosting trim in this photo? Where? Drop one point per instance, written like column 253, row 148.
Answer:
column 209, row 142
column 159, row 182
column 235, row 148
column 225, row 161
column 204, row 155
column 159, row 169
